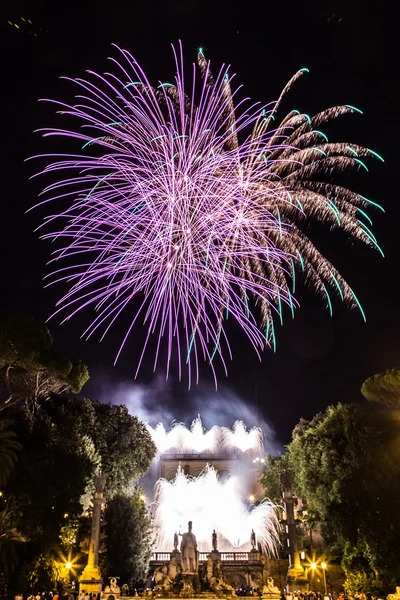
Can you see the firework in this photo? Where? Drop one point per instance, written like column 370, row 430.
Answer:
column 211, row 504
column 196, row 440
column 187, row 203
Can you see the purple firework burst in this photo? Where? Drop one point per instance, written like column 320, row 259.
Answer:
column 194, row 202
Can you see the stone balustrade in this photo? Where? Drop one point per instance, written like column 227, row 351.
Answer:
column 232, row 557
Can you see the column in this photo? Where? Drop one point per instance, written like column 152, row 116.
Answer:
column 90, row 580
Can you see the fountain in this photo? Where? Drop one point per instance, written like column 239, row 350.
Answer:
column 185, row 576
column 211, row 478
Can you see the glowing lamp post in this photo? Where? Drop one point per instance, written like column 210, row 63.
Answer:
column 313, row 567
column 68, row 567
column 323, row 567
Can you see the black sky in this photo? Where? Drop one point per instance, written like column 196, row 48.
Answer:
column 351, row 51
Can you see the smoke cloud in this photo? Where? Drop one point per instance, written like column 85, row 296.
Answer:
column 166, row 402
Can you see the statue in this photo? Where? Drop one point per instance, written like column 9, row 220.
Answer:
column 113, row 585
column 210, row 568
column 176, row 541
column 163, row 582
column 187, row 587
column 395, row 596
column 214, row 541
column 286, row 478
column 218, row 585
column 190, row 557
column 253, row 540
column 173, row 568
column 270, row 588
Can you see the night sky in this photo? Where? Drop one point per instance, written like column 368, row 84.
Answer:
column 351, row 50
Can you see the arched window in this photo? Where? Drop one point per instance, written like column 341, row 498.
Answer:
column 170, row 475
column 196, row 472
column 223, row 475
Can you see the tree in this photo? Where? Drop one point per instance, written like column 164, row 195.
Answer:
column 65, row 443
column 128, row 531
column 84, row 437
column 9, row 448
column 271, row 477
column 124, row 444
column 30, row 368
column 274, row 473
column 45, row 572
column 383, row 388
column 9, row 538
column 310, row 520
column 346, row 466
column 55, row 468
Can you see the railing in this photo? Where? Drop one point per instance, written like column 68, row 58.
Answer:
column 203, row 556
column 225, row 556
column 161, row 556
column 235, row 556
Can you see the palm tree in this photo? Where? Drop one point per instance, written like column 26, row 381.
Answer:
column 310, row 520
column 9, row 447
column 9, row 538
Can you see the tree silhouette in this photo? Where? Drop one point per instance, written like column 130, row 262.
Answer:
column 383, row 388
column 9, row 448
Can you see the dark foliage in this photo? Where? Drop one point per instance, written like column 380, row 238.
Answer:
column 346, row 465
column 128, row 539
column 30, row 368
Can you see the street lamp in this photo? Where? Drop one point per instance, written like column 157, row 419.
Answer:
column 313, row 567
column 323, row 566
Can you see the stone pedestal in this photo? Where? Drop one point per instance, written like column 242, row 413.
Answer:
column 90, row 580
column 187, row 585
column 254, row 555
column 296, row 578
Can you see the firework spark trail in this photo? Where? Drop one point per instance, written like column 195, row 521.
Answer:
column 211, row 504
column 181, row 439
column 195, row 208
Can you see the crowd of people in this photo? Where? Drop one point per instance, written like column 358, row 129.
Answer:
column 45, row 596
column 242, row 591
column 57, row 596
column 295, row 595
column 310, row 595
